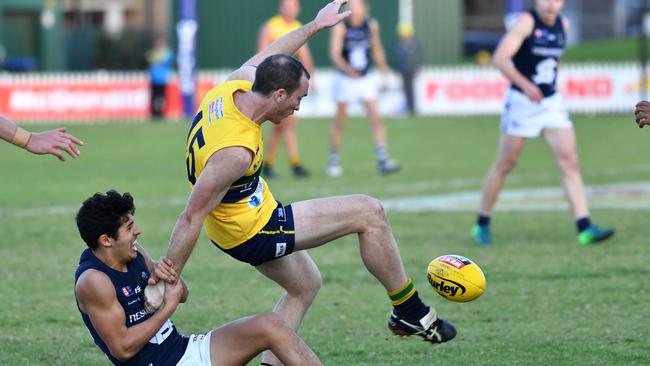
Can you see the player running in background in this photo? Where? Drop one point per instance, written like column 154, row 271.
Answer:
column 109, row 284
column 241, row 216
column 273, row 30
column 53, row 142
column 528, row 55
column 352, row 44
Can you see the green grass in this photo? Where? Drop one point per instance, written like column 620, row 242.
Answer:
column 549, row 301
column 611, row 50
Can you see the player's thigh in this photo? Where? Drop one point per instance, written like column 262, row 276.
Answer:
column 322, row 220
column 372, row 108
column 510, row 147
column 296, row 273
column 561, row 142
column 238, row 342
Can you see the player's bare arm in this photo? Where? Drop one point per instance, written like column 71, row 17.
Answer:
column 337, row 36
column 53, row 142
column 223, row 168
column 164, row 265
column 96, row 297
column 378, row 52
column 264, row 37
column 290, row 43
column 304, row 55
column 508, row 47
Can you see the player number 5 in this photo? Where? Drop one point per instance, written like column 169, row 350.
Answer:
column 190, row 161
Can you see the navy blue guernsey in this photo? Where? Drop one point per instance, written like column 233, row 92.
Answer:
column 539, row 55
column 356, row 47
column 167, row 346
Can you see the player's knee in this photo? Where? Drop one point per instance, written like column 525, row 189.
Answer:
column 308, row 287
column 568, row 163
column 313, row 283
column 271, row 323
column 373, row 210
column 505, row 166
column 265, row 327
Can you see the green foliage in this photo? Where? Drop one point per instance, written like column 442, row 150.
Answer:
column 549, row 301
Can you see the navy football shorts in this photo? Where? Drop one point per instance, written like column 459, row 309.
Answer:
column 276, row 239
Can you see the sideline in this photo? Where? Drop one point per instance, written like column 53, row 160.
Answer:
column 621, row 196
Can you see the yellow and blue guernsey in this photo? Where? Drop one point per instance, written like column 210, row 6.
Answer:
column 248, row 204
column 279, row 27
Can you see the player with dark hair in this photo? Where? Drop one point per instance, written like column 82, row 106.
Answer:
column 109, row 284
column 642, row 113
column 272, row 30
column 279, row 72
column 224, row 156
column 53, row 142
column 353, row 44
column 529, row 55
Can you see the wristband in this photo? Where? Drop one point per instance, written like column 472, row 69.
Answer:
column 21, row 137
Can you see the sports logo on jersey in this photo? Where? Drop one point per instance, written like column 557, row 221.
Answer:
column 280, row 249
column 144, row 275
column 126, row 290
column 256, row 198
column 538, row 33
column 215, row 110
column 282, row 217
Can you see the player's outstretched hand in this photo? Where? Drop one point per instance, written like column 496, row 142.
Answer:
column 54, row 142
column 329, row 15
column 642, row 113
column 163, row 270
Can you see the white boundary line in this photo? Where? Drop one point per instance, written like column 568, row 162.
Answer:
column 623, row 196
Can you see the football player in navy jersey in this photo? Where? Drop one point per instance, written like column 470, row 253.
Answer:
column 109, row 289
column 528, row 56
column 353, row 44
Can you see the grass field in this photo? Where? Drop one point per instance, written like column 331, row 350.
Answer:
column 549, row 301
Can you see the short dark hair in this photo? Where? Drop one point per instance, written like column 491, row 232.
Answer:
column 278, row 72
column 103, row 214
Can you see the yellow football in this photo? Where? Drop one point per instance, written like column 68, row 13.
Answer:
column 456, row 278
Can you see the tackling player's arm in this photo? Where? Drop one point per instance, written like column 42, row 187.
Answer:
column 165, row 266
column 96, row 297
column 508, row 47
column 223, row 168
column 290, row 43
column 337, row 37
column 52, row 142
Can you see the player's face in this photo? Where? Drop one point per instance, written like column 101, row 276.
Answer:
column 289, row 8
column 358, row 8
column 127, row 234
column 292, row 103
column 549, row 8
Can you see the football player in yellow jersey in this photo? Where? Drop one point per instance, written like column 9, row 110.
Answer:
column 224, row 157
column 271, row 31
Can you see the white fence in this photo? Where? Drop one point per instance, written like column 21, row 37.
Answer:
column 458, row 90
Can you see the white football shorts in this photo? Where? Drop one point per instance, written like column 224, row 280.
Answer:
column 350, row 90
column 197, row 351
column 522, row 117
